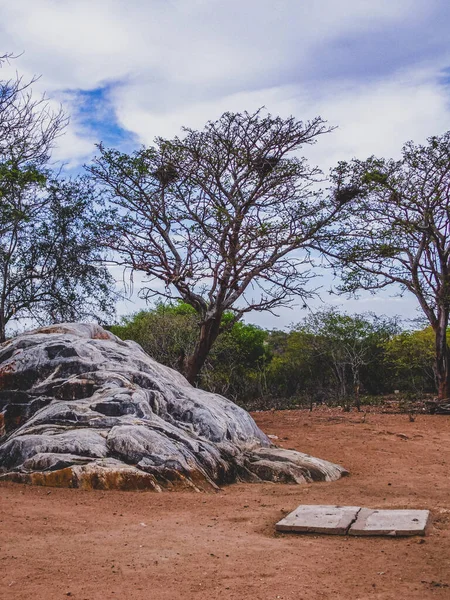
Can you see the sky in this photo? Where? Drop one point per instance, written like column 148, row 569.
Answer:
column 130, row 70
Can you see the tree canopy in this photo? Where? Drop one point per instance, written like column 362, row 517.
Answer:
column 169, row 331
column 314, row 361
column 221, row 218
column 50, row 250
column 50, row 256
column 348, row 343
column 397, row 231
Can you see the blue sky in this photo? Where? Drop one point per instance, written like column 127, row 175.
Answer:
column 127, row 71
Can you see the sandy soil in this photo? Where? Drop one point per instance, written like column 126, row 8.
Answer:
column 58, row 543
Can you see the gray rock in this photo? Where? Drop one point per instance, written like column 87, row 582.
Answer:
column 81, row 408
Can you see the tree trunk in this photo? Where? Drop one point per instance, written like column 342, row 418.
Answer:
column 442, row 362
column 356, row 387
column 357, row 397
column 209, row 330
column 2, row 327
column 342, row 384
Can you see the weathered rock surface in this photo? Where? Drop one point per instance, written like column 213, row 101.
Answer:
column 81, row 408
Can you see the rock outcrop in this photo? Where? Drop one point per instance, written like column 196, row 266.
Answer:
column 81, row 408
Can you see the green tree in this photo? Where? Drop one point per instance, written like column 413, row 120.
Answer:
column 348, row 343
column 236, row 364
column 50, row 231
column 169, row 332
column 50, row 256
column 295, row 369
column 411, row 357
column 224, row 217
column 397, row 231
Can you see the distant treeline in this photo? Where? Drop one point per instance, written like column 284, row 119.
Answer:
column 330, row 356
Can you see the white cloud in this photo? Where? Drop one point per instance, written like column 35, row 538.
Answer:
column 379, row 117
column 178, row 62
column 136, row 112
column 373, row 68
column 74, row 147
column 83, row 43
column 372, row 117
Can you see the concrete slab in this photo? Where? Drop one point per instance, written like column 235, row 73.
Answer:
column 390, row 522
column 319, row 519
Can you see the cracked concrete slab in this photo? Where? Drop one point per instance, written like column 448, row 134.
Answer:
column 390, row 522
column 319, row 519
column 354, row 520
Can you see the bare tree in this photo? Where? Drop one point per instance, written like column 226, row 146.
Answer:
column 6, row 57
column 29, row 126
column 398, row 232
column 221, row 218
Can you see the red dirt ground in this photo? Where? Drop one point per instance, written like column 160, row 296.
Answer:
column 93, row 545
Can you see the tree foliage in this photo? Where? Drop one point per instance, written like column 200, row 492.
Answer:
column 348, row 344
column 223, row 218
column 397, row 231
column 50, row 256
column 410, row 356
column 49, row 229
column 169, row 331
column 315, row 361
